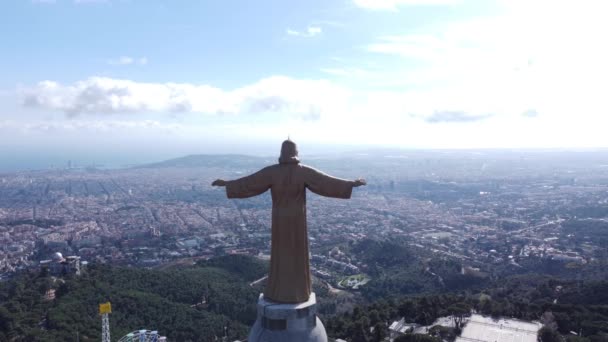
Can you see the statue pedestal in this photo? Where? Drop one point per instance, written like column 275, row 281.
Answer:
column 287, row 322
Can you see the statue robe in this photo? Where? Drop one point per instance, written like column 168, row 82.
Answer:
column 289, row 277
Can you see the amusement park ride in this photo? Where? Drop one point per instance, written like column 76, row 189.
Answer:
column 105, row 309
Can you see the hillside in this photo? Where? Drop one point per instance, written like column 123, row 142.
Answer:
column 563, row 306
column 159, row 300
column 196, row 302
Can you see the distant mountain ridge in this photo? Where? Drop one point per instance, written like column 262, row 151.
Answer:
column 211, row 160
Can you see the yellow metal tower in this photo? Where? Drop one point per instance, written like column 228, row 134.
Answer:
column 105, row 309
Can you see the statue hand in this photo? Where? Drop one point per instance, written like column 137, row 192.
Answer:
column 359, row 182
column 219, row 182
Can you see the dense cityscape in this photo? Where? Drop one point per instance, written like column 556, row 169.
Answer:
column 168, row 212
column 506, row 234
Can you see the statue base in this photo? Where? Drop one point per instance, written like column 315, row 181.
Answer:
column 287, row 322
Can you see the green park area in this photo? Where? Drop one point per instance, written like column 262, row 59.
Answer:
column 354, row 281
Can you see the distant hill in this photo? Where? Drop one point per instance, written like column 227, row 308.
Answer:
column 211, row 160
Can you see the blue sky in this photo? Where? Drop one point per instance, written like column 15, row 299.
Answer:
column 163, row 78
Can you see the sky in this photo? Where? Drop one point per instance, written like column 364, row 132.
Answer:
column 132, row 80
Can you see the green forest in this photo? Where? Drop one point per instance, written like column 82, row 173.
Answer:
column 580, row 308
column 420, row 287
column 185, row 304
column 213, row 298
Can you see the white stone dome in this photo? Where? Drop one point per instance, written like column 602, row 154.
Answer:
column 57, row 256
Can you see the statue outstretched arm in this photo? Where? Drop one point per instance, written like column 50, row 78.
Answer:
column 248, row 186
column 328, row 186
column 359, row 182
column 219, row 182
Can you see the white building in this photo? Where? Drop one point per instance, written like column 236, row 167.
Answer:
column 401, row 327
column 59, row 265
column 486, row 329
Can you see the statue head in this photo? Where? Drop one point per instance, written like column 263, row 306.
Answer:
column 289, row 152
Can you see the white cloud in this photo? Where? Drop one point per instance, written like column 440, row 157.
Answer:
column 423, row 46
column 317, row 111
column 518, row 79
column 91, row 126
column 347, row 71
column 282, row 97
column 522, row 79
column 306, row 99
column 455, row 116
column 537, row 63
column 393, row 5
column 497, row 72
column 310, row 31
column 126, row 60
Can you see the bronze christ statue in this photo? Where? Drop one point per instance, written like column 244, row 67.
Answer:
column 289, row 276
